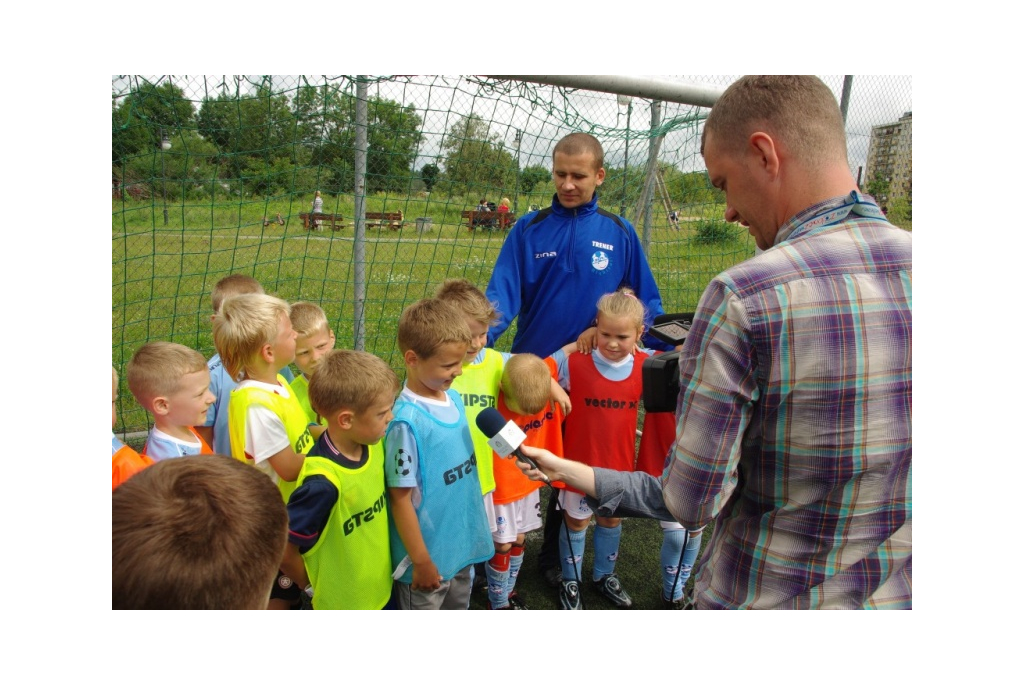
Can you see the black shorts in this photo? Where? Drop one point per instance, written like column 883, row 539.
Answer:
column 286, row 589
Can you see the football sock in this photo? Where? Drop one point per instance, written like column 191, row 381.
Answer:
column 497, row 580
column 572, row 562
column 606, row 550
column 515, row 560
column 672, row 581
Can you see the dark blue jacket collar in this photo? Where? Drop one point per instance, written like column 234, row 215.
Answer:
column 581, row 211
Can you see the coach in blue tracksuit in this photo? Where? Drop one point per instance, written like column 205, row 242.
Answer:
column 555, row 265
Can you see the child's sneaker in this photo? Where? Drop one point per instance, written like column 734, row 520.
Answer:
column 516, row 601
column 610, row 587
column 569, row 595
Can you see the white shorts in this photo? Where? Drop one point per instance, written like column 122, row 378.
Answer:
column 575, row 505
column 514, row 518
column 489, row 508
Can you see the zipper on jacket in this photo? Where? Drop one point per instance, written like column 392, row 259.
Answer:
column 570, row 254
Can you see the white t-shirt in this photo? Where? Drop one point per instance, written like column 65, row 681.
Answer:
column 265, row 434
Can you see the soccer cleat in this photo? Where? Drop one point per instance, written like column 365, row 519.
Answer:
column 610, row 587
column 517, row 602
column 674, row 604
column 553, row 576
column 569, row 595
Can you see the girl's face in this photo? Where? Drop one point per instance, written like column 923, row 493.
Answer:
column 616, row 336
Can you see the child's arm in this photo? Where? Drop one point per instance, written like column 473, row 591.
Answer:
column 293, row 566
column 559, row 396
column 424, row 572
column 287, row 464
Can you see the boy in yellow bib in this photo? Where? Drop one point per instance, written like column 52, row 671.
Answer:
column 338, row 546
column 267, row 425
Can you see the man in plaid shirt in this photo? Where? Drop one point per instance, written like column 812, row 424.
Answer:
column 794, row 414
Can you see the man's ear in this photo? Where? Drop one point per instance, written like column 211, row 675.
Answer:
column 767, row 154
column 410, row 358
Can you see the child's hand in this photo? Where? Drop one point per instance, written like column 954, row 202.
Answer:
column 425, row 577
column 561, row 398
column 585, row 343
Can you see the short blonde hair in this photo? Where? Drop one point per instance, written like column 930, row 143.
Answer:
column 468, row 298
column 800, row 111
column 426, row 325
column 526, row 381
column 350, row 379
column 623, row 303
column 156, row 369
column 235, row 284
column 308, row 318
column 580, row 143
column 244, row 325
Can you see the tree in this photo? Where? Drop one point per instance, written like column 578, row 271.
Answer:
column 325, row 125
column 878, row 188
column 254, row 135
column 138, row 117
column 429, row 174
column 475, row 160
column 531, row 176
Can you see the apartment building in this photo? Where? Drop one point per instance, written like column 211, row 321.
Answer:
column 890, row 156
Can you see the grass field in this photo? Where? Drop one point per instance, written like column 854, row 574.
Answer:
column 162, row 276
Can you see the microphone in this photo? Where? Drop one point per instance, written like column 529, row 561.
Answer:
column 503, row 436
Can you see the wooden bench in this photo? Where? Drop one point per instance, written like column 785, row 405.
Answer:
column 392, row 220
column 475, row 219
column 311, row 221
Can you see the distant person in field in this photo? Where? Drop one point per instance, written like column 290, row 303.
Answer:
column 556, row 264
column 196, row 533
column 318, row 208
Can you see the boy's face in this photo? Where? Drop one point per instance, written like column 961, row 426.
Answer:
column 368, row 426
column 479, row 341
column 310, row 349
column 187, row 405
column 576, row 178
column 283, row 346
column 433, row 376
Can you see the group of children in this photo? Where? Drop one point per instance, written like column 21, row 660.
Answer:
column 381, row 489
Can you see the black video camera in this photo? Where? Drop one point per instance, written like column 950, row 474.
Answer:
column 661, row 371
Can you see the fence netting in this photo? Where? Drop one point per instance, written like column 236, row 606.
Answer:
column 211, row 175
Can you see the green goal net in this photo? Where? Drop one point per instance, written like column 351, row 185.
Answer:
column 212, row 176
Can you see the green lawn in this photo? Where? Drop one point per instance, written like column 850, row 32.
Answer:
column 162, row 276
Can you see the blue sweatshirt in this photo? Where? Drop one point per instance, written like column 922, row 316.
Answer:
column 553, row 268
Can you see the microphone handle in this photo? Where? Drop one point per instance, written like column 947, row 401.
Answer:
column 527, row 460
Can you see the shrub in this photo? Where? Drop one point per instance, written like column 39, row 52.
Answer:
column 713, row 231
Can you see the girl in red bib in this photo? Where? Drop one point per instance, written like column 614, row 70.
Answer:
column 605, row 388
